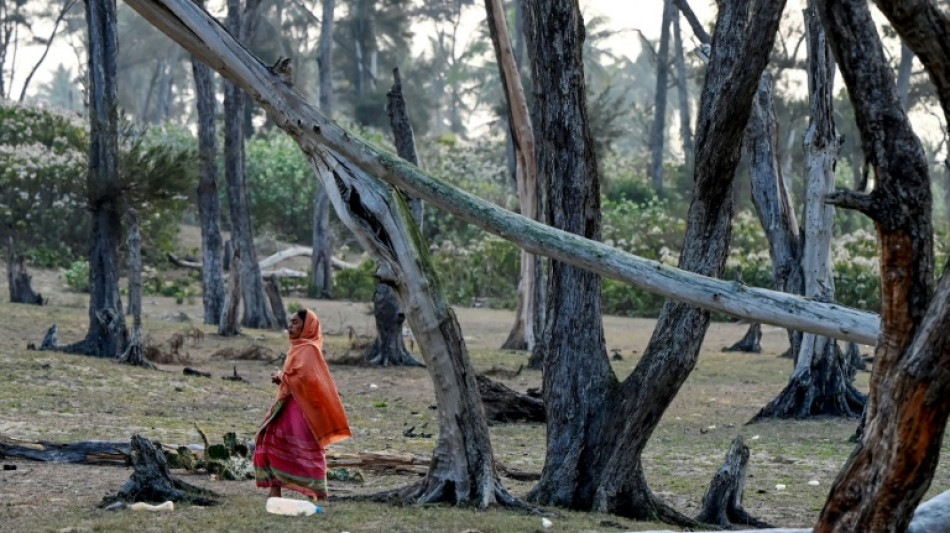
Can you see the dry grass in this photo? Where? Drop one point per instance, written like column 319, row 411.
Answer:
column 59, row 397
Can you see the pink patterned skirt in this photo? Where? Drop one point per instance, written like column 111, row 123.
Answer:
column 287, row 455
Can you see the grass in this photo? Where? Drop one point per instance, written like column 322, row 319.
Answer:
column 60, row 397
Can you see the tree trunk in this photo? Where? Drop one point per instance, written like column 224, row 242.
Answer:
column 751, row 342
column 462, row 468
column 503, row 404
column 820, row 385
column 599, row 460
column 321, row 277
column 522, row 335
column 893, row 464
column 658, row 132
column 272, row 288
column 209, row 208
column 257, row 313
column 772, row 199
column 228, row 326
column 19, row 280
column 722, row 502
column 390, row 348
column 574, row 359
column 133, row 352
column 686, row 129
column 307, row 125
column 107, row 335
column 903, row 74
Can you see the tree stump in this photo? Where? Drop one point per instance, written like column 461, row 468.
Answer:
column 722, row 502
column 750, row 343
column 19, row 280
column 151, row 481
column 49, row 340
column 133, row 354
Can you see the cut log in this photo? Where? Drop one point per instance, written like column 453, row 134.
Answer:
column 722, row 503
column 504, row 404
column 19, row 280
column 152, row 482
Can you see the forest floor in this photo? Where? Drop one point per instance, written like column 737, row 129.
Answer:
column 57, row 397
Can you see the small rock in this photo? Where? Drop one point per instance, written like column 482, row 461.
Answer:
column 546, row 523
column 814, row 483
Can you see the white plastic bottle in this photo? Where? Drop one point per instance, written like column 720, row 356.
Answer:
column 291, row 507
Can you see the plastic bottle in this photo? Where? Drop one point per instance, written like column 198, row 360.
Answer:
column 291, row 507
column 142, row 506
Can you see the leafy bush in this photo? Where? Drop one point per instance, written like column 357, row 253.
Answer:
column 77, row 276
column 484, row 271
column 357, row 284
column 43, row 168
column 281, row 186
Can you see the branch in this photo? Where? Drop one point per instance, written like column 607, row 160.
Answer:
column 848, row 199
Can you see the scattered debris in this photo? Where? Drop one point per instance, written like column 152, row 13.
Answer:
column 413, row 435
column 235, row 376
column 188, row 371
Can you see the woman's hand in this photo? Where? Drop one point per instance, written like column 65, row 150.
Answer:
column 275, row 376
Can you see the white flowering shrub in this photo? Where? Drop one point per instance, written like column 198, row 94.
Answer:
column 43, row 168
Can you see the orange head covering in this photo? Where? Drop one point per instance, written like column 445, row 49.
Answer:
column 307, row 377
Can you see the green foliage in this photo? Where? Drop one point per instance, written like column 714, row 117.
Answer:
column 281, row 186
column 77, row 276
column 356, row 284
column 485, row 271
column 43, row 169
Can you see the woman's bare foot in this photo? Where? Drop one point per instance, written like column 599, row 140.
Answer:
column 274, row 492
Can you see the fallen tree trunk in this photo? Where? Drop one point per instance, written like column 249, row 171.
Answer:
column 272, row 260
column 504, row 404
column 189, row 25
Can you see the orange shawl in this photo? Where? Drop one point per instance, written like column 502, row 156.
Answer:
column 307, row 377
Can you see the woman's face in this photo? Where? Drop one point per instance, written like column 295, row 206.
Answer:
column 295, row 329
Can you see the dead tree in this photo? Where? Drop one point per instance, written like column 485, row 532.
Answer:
column 152, row 482
column 523, row 335
column 389, row 349
column 504, row 404
column 228, row 327
column 19, row 280
column 722, row 502
column 133, row 354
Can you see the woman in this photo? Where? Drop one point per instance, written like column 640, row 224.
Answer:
column 306, row 417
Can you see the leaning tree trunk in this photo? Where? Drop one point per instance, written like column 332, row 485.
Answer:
column 321, row 277
column 107, row 335
column 658, row 131
column 228, row 324
column 821, row 381
column 389, row 349
column 614, row 470
column 893, row 464
column 209, row 208
column 522, row 335
column 257, row 313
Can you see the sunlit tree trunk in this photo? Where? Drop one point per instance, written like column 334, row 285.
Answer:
column 658, row 132
column 686, row 128
column 321, row 275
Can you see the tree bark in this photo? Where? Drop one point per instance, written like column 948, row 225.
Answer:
column 772, row 199
column 893, row 464
column 19, row 280
column 228, row 326
column 257, row 313
column 522, row 335
column 389, row 349
column 107, row 335
column 820, row 384
column 307, row 125
column 272, row 288
column 133, row 352
column 209, row 208
column 722, row 502
column 574, row 354
column 321, row 277
column 658, row 131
